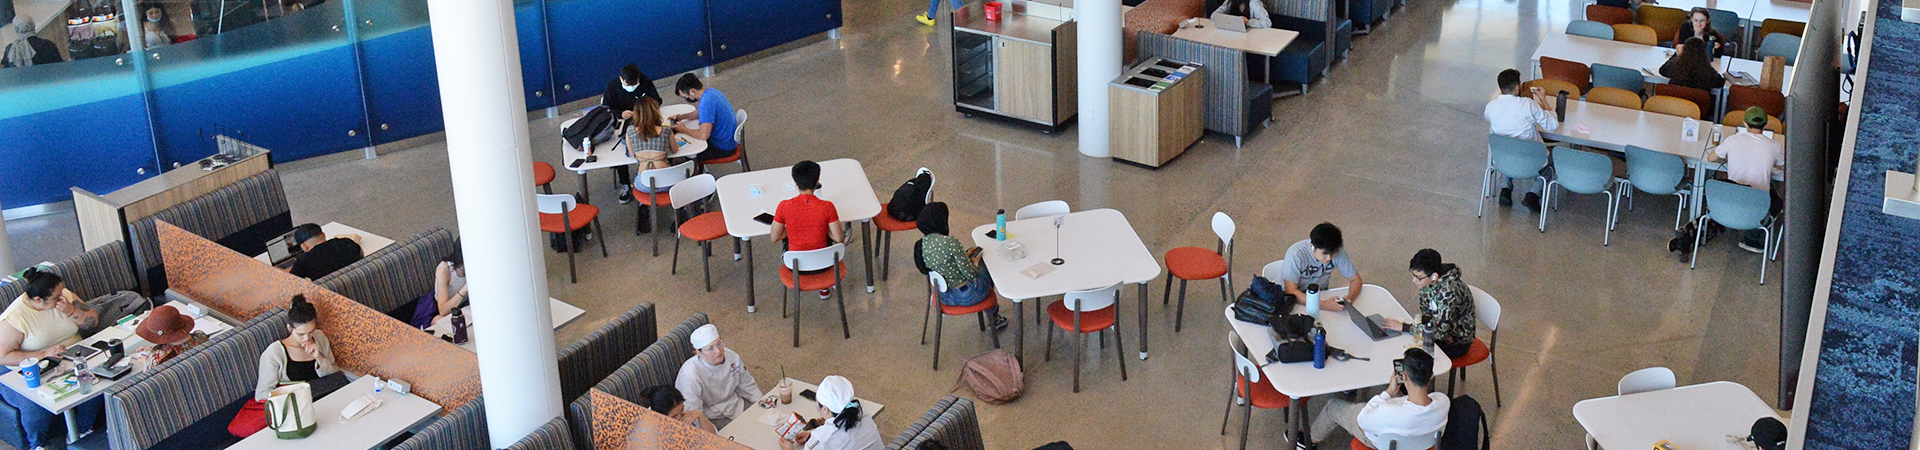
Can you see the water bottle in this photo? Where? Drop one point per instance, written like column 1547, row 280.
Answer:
column 1426, row 338
column 1560, row 106
column 83, row 376
column 459, row 326
column 1000, row 225
column 1313, row 300
column 1319, row 347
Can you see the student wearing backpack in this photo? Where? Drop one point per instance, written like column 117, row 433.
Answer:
column 1409, row 407
column 968, row 283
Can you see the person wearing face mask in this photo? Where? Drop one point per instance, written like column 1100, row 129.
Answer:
column 714, row 381
column 623, row 95
column 1446, row 304
column 302, row 356
column 843, row 427
column 157, row 31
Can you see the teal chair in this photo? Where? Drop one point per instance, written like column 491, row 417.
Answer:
column 1654, row 173
column 1582, row 172
column 1779, row 44
column 1512, row 158
column 1728, row 24
column 1590, row 29
column 1618, row 77
column 1739, row 208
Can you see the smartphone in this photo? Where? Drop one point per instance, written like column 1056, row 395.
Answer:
column 807, row 394
column 576, row 163
column 764, row 218
column 993, row 234
column 593, row 158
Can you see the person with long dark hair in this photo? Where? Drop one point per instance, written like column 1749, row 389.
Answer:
column 667, row 401
column 1693, row 67
column 1254, row 12
column 39, row 325
column 844, row 428
column 1700, row 24
column 449, row 290
column 303, row 355
column 967, row 281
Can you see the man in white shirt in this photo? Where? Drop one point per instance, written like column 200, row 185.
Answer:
column 1408, row 409
column 1751, row 157
column 1521, row 118
column 713, row 380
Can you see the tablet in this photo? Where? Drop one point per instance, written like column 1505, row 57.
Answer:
column 80, row 352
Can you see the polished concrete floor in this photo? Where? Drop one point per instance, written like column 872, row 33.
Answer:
column 1389, row 148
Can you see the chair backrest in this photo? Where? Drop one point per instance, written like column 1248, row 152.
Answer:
column 1666, row 22
column 1724, row 21
column 1614, row 97
column 1623, row 78
column 1273, row 270
column 1739, row 98
column 1779, row 44
column 1636, row 34
column 1589, row 28
column 1738, row 118
column 816, row 259
column 1047, row 208
column 1223, row 226
column 1582, row 171
column 667, row 177
column 939, row 281
column 555, row 203
column 1654, row 172
column 1242, row 364
column 1399, row 442
column 1515, row 158
column 1553, row 87
column 1673, row 106
column 1648, row 379
column 1572, row 72
column 1700, row 98
column 740, row 126
column 1485, row 308
column 1610, row 15
column 1770, row 26
column 1092, row 299
column 691, row 190
column 932, row 180
column 1737, row 206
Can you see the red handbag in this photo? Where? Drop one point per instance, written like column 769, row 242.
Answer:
column 251, row 419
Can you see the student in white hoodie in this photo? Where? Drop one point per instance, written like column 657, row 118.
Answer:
column 714, row 381
column 1408, row 408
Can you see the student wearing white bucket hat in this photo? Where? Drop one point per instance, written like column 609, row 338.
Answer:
column 714, row 381
column 845, row 428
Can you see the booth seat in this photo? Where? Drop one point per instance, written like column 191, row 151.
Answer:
column 1365, row 13
column 188, row 401
column 552, row 436
column 913, row 429
column 658, row 365
column 1235, row 104
column 465, row 428
column 593, row 358
column 616, row 423
column 1158, row 17
column 1312, row 54
column 241, row 216
column 391, row 279
column 953, row 424
column 101, row 271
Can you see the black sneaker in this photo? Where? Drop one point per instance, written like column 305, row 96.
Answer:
column 999, row 323
column 1532, row 201
column 626, row 195
column 1506, row 196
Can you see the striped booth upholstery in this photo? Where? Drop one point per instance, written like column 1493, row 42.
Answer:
column 463, row 429
column 391, row 279
column 1234, row 103
column 166, row 399
column 552, row 436
column 97, row 272
column 241, row 216
column 957, row 428
column 913, row 430
column 658, row 365
column 592, row 358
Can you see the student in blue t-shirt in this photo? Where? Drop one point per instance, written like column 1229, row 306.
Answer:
column 713, row 120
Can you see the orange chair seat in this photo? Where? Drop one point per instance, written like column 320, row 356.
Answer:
column 1264, row 395
column 811, row 281
column 705, row 227
column 886, row 222
column 1356, row 445
column 1475, row 354
column 729, row 159
column 647, row 199
column 991, row 301
column 1090, row 321
column 581, row 215
column 542, row 173
column 1195, row 263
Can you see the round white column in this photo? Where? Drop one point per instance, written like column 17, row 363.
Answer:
column 485, row 107
column 1099, row 59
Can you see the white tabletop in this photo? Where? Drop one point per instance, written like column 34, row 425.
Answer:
column 397, row 413
column 1299, row 380
column 1697, row 417
column 842, row 181
column 1645, row 58
column 754, row 427
column 130, row 341
column 1100, row 248
column 1614, row 128
column 369, row 242
column 611, row 153
column 562, row 313
column 1264, row 41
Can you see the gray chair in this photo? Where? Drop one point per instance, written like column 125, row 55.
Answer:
column 1590, row 29
column 1234, row 103
column 391, row 279
column 1779, row 44
column 1511, row 158
column 1581, row 172
column 1740, row 208
column 1618, row 77
column 957, row 428
column 1654, row 173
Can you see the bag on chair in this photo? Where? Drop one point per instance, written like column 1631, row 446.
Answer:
column 1261, row 302
column 290, row 411
column 1466, row 423
column 994, row 377
column 910, row 198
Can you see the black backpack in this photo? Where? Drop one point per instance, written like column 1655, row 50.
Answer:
column 910, row 198
column 596, row 123
column 1466, row 423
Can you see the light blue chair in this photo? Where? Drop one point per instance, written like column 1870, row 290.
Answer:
column 1654, row 173
column 1739, row 208
column 1618, row 77
column 1581, row 172
column 1728, row 24
column 1590, row 29
column 1512, row 158
column 1781, row 45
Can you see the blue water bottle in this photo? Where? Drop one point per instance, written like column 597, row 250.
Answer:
column 1313, row 300
column 1000, row 225
column 1319, row 347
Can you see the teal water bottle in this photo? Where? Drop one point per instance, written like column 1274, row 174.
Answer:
column 1000, row 225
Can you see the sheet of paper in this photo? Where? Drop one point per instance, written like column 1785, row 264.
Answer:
column 207, row 325
column 770, row 417
column 1037, row 270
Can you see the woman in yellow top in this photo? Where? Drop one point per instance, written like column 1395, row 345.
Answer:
column 41, row 324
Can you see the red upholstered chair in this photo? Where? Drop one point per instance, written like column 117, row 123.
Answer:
column 740, row 139
column 651, row 189
column 1739, row 98
column 887, row 225
column 1572, row 72
column 543, row 177
column 1487, row 309
column 1610, row 15
column 563, row 214
column 1091, row 311
column 979, row 310
column 826, row 260
column 1247, row 376
column 704, row 228
column 1701, row 98
column 1195, row 263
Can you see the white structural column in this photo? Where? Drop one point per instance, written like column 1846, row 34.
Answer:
column 484, row 102
column 1099, row 35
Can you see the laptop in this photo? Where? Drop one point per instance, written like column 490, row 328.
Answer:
column 1229, row 22
column 1370, row 324
column 282, row 249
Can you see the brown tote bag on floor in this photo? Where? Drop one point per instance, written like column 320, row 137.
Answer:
column 994, row 377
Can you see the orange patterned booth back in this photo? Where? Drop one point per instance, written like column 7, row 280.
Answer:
column 619, row 424
column 1157, row 16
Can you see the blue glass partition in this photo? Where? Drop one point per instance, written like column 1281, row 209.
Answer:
column 536, row 72
column 663, row 37
column 79, row 123
column 396, row 63
column 741, row 27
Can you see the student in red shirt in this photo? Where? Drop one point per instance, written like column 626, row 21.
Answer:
column 806, row 221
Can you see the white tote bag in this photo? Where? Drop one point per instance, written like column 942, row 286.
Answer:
column 290, row 411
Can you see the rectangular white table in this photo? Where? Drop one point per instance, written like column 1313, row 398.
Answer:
column 1697, row 417
column 1300, row 380
column 614, row 151
column 842, row 181
column 562, row 314
column 753, row 429
column 1099, row 248
column 369, row 242
column 397, row 413
column 1614, row 128
column 1266, row 42
column 1585, row 50
column 132, row 342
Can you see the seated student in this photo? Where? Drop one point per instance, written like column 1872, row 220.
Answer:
column 1700, row 25
column 805, row 221
column 320, row 256
column 1312, row 262
column 1446, row 304
column 1254, row 12
column 449, row 291
column 170, row 332
column 1692, row 66
column 650, row 141
column 667, row 401
column 1751, row 156
column 968, row 283
column 623, row 95
column 714, row 120
column 1518, row 117
column 303, row 355
column 40, row 324
column 843, row 428
column 1408, row 407
column 714, row 381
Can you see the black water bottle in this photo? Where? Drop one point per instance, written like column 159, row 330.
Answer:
column 459, row 327
column 1560, row 106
